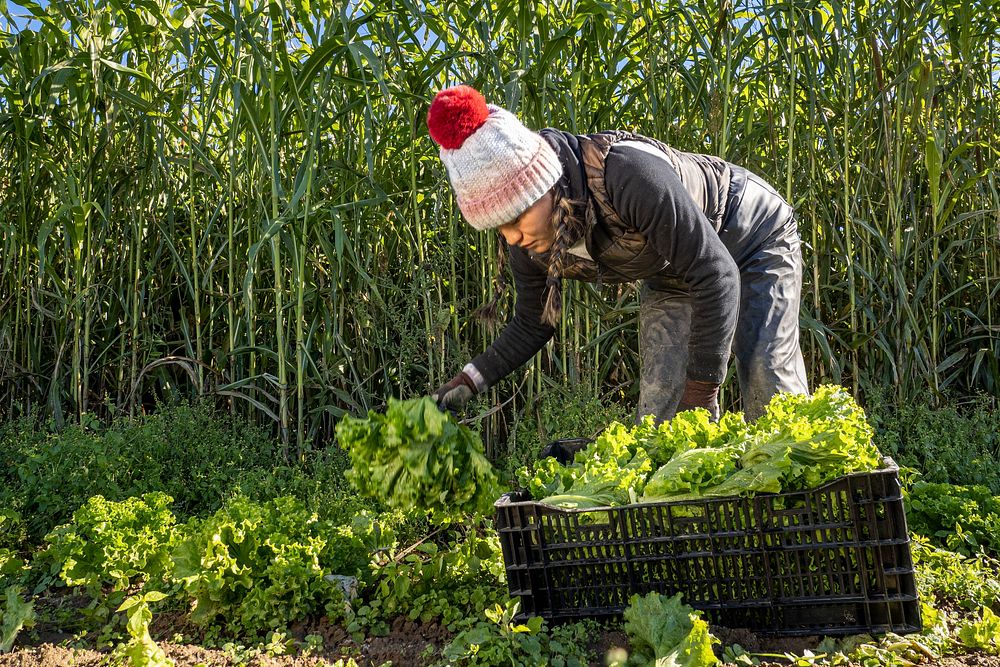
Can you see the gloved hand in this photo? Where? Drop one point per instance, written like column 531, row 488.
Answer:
column 701, row 395
column 455, row 393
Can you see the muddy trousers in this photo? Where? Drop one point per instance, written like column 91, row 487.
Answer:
column 764, row 240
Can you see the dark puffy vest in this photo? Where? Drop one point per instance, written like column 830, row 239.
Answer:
column 620, row 251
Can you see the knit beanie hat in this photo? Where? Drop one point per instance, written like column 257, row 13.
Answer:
column 497, row 167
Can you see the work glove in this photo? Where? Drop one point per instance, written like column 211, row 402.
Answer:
column 455, row 393
column 700, row 395
column 565, row 450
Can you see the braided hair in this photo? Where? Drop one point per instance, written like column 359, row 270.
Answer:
column 568, row 226
column 488, row 311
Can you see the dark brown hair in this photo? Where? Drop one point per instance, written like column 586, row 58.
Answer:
column 488, row 311
column 568, row 224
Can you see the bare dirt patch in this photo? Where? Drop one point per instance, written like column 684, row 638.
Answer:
column 50, row 655
column 973, row 660
column 754, row 642
column 403, row 653
column 408, row 644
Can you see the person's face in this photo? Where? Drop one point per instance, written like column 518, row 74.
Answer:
column 532, row 230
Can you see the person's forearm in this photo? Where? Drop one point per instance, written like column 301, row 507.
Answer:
column 516, row 344
column 525, row 335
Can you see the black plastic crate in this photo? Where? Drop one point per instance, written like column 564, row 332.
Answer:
column 832, row 560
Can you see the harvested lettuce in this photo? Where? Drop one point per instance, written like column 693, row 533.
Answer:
column 664, row 632
column 800, row 442
column 692, row 471
column 812, row 439
column 695, row 429
column 606, row 472
column 417, row 457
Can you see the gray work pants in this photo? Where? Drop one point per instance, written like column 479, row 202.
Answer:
column 762, row 236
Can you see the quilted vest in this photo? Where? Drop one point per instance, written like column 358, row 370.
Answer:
column 620, row 252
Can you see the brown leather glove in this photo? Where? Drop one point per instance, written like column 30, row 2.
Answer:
column 700, row 395
column 455, row 393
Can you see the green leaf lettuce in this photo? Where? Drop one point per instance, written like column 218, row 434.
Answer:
column 416, row 456
column 664, row 632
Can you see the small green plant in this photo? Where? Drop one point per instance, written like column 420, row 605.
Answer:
column 12, row 568
column 448, row 581
column 141, row 650
column 16, row 615
column 114, row 544
column 502, row 641
column 499, row 642
column 982, row 634
column 274, row 644
column 12, row 537
column 890, row 650
column 947, row 444
column 317, row 479
column 807, row 658
column 312, row 644
column 192, row 452
column 734, row 654
column 962, row 519
column 12, row 529
column 962, row 581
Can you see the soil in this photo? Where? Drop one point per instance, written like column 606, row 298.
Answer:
column 403, row 652
column 408, row 644
column 753, row 642
column 976, row 660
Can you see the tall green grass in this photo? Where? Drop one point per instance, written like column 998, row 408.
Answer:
column 241, row 199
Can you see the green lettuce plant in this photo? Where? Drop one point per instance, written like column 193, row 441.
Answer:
column 417, row 457
column 813, row 439
column 259, row 566
column 142, row 650
column 500, row 641
column 664, row 632
column 114, row 544
column 609, row 471
column 448, row 581
column 693, row 429
column 983, row 633
column 799, row 443
column 14, row 615
column 689, row 473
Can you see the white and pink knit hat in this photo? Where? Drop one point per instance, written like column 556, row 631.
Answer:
column 497, row 167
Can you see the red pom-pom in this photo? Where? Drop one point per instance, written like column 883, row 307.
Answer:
column 455, row 114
